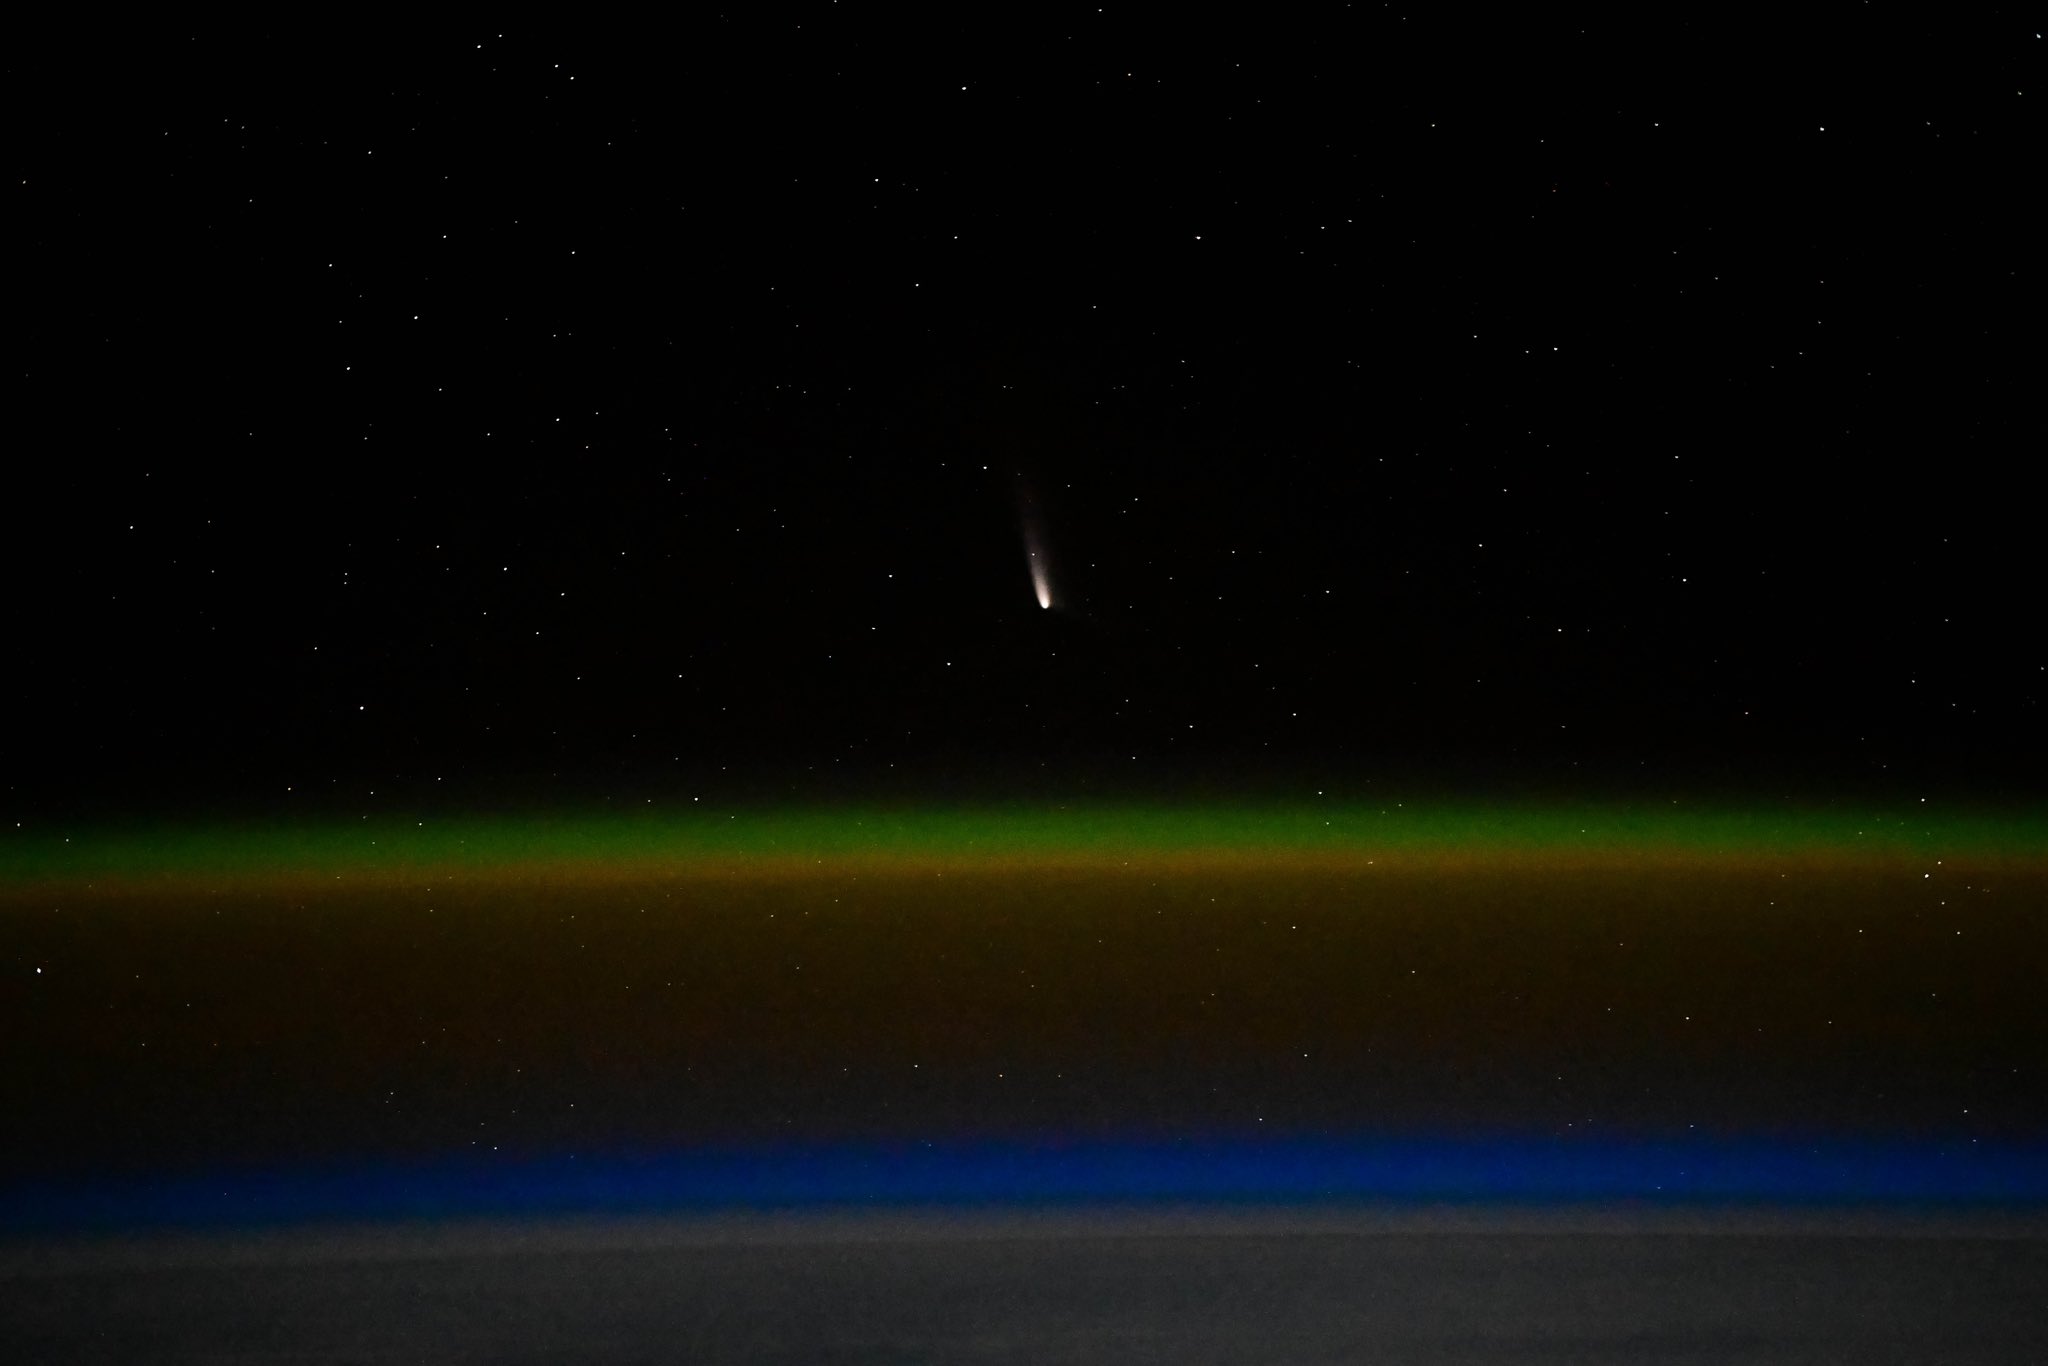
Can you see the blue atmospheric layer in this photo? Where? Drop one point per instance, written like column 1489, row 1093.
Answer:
column 1038, row 1174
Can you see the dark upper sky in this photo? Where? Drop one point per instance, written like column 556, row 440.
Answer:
column 586, row 410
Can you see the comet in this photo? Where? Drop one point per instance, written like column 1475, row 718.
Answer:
column 1036, row 554
column 1041, row 583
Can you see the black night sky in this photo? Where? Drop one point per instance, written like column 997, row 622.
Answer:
column 599, row 413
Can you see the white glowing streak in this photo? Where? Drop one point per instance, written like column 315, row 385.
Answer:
column 1034, row 551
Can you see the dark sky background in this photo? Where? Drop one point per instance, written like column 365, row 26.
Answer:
column 603, row 413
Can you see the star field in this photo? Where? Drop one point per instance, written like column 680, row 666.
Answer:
column 505, row 408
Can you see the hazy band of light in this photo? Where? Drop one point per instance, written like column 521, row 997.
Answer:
column 1022, row 1173
column 1248, row 835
